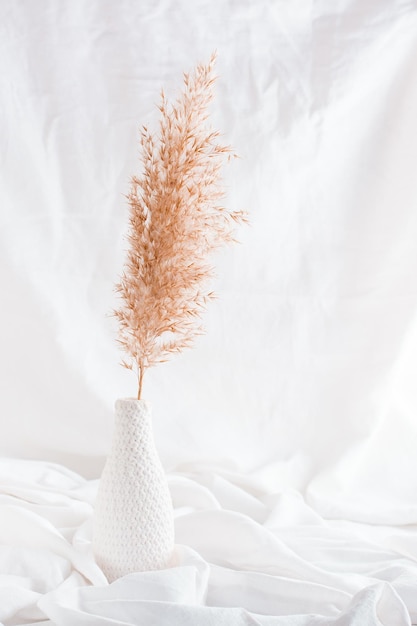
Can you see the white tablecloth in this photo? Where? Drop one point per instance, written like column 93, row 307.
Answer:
column 244, row 557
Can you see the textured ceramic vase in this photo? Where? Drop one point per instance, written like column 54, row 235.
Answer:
column 133, row 516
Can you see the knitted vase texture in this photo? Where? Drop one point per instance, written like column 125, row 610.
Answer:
column 133, row 514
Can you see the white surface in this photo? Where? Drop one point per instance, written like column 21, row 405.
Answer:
column 305, row 380
column 245, row 557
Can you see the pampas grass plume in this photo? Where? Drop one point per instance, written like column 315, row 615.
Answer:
column 176, row 221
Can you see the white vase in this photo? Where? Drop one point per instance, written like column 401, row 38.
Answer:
column 133, row 527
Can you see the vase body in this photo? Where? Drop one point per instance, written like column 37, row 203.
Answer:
column 133, row 526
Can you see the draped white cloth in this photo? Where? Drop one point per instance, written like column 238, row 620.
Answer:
column 243, row 557
column 289, row 432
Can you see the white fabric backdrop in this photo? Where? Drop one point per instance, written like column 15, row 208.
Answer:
column 306, row 377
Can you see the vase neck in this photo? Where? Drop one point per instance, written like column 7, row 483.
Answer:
column 132, row 417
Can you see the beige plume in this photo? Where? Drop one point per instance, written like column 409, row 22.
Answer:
column 176, row 221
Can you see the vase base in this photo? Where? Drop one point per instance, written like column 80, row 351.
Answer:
column 114, row 573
